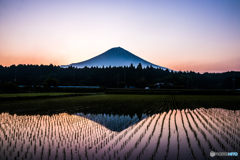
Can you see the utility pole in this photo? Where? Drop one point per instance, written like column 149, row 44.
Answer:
column 187, row 79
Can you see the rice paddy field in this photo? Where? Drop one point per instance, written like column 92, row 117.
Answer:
column 120, row 126
column 34, row 94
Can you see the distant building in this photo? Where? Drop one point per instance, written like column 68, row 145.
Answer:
column 158, row 85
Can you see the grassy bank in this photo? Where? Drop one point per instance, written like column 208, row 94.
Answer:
column 29, row 96
column 116, row 103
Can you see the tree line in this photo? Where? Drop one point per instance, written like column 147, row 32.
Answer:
column 115, row 77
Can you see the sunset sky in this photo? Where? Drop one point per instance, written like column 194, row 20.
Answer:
column 202, row 36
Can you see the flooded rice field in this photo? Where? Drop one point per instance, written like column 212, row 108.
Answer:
column 177, row 134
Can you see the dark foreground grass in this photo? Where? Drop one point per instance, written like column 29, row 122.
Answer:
column 11, row 95
column 118, row 104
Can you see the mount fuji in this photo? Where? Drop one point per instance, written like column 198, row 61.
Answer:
column 114, row 57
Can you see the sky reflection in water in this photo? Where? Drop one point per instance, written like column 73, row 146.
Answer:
column 178, row 134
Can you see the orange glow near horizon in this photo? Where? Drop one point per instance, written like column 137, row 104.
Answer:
column 216, row 67
column 171, row 63
column 29, row 60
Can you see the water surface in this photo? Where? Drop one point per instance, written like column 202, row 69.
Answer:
column 177, row 134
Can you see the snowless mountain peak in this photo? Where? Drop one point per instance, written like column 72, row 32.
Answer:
column 116, row 56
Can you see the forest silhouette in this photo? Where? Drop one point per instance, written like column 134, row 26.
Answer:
column 114, row 77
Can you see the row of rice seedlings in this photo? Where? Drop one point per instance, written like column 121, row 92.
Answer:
column 159, row 106
column 181, row 104
column 173, row 146
column 199, row 134
column 187, row 127
column 197, row 143
column 154, row 128
column 233, row 127
column 163, row 142
column 230, row 116
column 219, row 140
column 204, row 131
column 159, row 137
column 49, row 152
column 227, row 138
column 139, row 126
column 177, row 131
column 135, row 145
column 169, row 131
column 227, row 128
column 42, row 141
column 140, row 131
column 188, row 139
column 148, row 136
column 214, row 128
column 123, row 138
column 216, row 113
column 79, row 136
column 213, row 142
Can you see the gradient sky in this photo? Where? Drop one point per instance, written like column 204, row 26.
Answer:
column 202, row 36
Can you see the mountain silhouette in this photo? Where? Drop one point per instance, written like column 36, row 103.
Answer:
column 114, row 57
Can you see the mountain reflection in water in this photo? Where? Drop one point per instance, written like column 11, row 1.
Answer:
column 178, row 134
column 113, row 122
